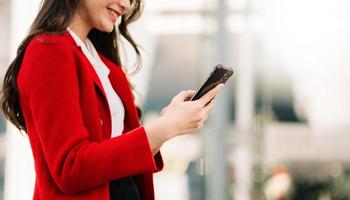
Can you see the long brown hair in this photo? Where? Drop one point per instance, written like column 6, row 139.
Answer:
column 54, row 17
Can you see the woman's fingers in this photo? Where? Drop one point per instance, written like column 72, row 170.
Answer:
column 204, row 117
column 210, row 95
column 191, row 95
column 189, row 117
column 183, row 96
column 209, row 107
column 163, row 111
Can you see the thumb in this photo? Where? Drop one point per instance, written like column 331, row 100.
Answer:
column 163, row 111
column 183, row 96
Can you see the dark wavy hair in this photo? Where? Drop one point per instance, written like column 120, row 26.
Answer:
column 54, row 17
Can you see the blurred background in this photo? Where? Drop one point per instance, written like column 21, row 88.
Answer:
column 280, row 128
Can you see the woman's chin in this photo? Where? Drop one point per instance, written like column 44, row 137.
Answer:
column 106, row 28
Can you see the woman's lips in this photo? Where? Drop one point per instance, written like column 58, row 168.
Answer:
column 113, row 14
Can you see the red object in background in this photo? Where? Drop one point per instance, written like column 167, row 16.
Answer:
column 69, row 125
column 280, row 169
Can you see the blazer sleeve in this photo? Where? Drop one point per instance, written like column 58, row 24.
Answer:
column 50, row 85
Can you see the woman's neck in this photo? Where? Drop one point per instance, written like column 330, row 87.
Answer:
column 80, row 27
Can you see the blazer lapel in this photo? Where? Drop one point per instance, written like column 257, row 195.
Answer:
column 96, row 80
column 121, row 85
column 93, row 73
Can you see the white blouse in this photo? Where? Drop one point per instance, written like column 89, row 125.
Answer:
column 114, row 101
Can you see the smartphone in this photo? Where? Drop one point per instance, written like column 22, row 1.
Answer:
column 219, row 74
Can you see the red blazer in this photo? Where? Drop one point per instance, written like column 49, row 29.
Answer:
column 69, row 123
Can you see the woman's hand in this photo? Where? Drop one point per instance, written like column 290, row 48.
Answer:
column 190, row 94
column 181, row 116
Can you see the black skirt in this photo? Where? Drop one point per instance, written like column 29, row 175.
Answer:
column 123, row 189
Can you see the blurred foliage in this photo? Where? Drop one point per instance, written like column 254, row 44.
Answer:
column 329, row 187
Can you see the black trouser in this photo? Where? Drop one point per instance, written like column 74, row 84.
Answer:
column 123, row 189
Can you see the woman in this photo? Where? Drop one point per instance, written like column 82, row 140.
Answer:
column 66, row 89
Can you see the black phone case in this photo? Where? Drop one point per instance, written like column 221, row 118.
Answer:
column 219, row 74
